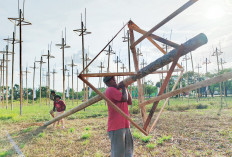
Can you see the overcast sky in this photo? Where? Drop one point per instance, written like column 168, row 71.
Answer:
column 104, row 19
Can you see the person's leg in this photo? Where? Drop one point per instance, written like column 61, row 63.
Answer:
column 129, row 144
column 117, row 139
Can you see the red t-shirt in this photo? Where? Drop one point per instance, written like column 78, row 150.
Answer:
column 115, row 120
column 59, row 105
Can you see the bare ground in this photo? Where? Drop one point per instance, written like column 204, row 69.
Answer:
column 193, row 132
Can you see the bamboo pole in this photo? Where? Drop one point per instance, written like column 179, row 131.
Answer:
column 190, row 45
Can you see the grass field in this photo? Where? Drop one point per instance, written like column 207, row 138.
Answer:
column 186, row 128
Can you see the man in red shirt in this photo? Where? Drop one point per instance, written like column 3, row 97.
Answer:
column 118, row 127
column 59, row 107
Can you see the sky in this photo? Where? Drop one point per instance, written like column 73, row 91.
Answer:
column 104, row 19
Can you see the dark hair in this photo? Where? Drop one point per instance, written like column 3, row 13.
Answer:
column 53, row 92
column 57, row 96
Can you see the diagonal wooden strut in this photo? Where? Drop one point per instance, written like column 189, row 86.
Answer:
column 197, row 85
column 103, row 49
column 137, row 29
column 166, row 101
column 171, row 16
column 116, row 108
column 163, row 87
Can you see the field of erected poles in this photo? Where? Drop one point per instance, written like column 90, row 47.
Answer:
column 178, row 73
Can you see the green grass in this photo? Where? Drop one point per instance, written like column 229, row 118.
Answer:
column 151, row 145
column 87, row 128
column 162, row 139
column 85, row 135
column 146, row 139
column 137, row 135
column 42, row 134
column 71, row 130
column 27, row 129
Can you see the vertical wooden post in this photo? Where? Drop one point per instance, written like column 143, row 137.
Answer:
column 40, row 77
column 1, row 85
column 20, row 59
column 34, row 67
column 12, row 75
column 87, row 90
column 63, row 69
column 3, row 98
column 72, row 66
column 140, row 89
column 7, row 76
column 77, row 85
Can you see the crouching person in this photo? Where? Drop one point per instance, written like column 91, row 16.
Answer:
column 59, row 107
column 119, row 127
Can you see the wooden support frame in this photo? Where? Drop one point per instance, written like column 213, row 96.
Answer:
column 189, row 46
column 172, row 56
column 163, row 87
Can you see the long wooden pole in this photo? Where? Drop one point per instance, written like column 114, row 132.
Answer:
column 190, row 45
column 1, row 85
column 3, row 99
column 171, row 16
column 7, row 76
column 197, row 85
column 40, row 77
column 139, row 85
column 26, row 85
column 83, row 55
column 72, row 85
column 63, row 69
column 20, row 59
column 12, row 75
column 49, row 79
column 33, row 83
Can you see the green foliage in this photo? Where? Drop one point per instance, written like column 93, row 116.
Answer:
column 71, row 130
column 146, row 139
column 137, row 135
column 151, row 145
column 87, row 128
column 27, row 129
column 161, row 140
column 85, row 135
column 42, row 134
column 6, row 153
